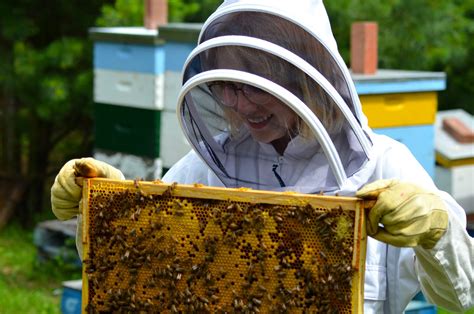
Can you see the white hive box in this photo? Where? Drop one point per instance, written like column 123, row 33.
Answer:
column 455, row 169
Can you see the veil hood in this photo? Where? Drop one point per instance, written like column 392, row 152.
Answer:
column 247, row 48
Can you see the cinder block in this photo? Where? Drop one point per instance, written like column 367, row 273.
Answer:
column 457, row 129
column 364, row 43
column 56, row 239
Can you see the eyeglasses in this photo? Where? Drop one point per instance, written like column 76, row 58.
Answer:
column 226, row 93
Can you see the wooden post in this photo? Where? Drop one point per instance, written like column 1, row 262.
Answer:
column 364, row 42
column 156, row 13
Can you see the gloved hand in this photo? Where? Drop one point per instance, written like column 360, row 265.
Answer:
column 66, row 191
column 410, row 215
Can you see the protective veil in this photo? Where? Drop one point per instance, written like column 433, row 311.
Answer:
column 268, row 103
column 247, row 88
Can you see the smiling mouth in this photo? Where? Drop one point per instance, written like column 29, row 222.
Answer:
column 259, row 122
column 259, row 119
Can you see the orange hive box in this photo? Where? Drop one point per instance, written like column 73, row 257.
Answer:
column 160, row 248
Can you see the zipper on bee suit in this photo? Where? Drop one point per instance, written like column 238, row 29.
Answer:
column 277, row 175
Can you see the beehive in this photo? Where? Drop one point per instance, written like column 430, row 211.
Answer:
column 159, row 248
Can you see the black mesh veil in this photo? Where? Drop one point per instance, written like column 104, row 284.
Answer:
column 285, row 33
column 237, row 155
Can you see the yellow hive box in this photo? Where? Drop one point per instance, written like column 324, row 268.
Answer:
column 404, row 109
column 158, row 248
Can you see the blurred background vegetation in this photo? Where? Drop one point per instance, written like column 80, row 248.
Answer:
column 46, row 74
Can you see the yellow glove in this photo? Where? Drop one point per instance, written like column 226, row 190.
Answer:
column 410, row 215
column 66, row 191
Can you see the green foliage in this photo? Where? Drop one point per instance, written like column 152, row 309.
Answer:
column 130, row 12
column 191, row 11
column 121, row 13
column 179, row 10
column 460, row 70
column 422, row 35
column 47, row 77
column 45, row 91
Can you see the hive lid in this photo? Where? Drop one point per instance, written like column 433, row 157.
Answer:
column 386, row 81
column 450, row 152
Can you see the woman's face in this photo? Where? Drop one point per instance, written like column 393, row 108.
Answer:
column 266, row 122
column 267, row 118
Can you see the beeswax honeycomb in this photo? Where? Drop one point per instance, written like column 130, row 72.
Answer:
column 158, row 248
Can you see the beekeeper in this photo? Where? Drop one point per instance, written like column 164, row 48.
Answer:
column 268, row 103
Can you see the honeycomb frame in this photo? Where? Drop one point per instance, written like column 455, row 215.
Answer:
column 168, row 248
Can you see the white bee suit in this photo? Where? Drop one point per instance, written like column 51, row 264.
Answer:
column 333, row 159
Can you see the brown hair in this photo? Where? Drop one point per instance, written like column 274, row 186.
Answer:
column 293, row 38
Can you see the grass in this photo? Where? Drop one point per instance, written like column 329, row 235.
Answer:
column 27, row 285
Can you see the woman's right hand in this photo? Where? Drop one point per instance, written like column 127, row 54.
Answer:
column 66, row 191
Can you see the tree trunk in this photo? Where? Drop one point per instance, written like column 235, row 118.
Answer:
column 12, row 193
column 38, row 152
column 12, row 185
column 9, row 139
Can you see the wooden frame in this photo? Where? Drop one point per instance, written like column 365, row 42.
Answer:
column 236, row 249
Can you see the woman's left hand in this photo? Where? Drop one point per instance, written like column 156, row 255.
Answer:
column 410, row 215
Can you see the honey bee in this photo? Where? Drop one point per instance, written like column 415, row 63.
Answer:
column 169, row 190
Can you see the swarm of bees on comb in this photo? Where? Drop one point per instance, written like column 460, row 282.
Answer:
column 168, row 248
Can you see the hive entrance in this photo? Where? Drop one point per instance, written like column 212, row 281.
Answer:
column 155, row 247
